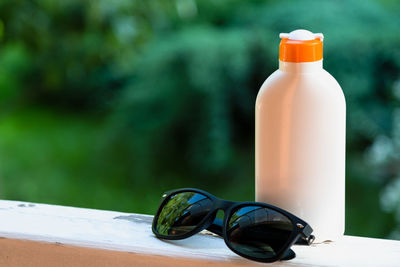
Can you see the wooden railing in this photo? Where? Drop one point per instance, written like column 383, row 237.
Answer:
column 48, row 235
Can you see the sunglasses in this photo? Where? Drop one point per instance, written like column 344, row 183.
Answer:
column 254, row 230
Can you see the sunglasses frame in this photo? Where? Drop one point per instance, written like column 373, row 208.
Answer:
column 300, row 228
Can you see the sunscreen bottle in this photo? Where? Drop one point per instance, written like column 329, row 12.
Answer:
column 300, row 137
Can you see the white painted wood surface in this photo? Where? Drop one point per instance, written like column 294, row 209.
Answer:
column 116, row 231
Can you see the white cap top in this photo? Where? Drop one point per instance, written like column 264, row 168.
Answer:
column 302, row 35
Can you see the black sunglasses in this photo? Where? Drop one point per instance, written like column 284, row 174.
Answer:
column 254, row 230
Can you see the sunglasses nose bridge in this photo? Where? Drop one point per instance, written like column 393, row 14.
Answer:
column 223, row 204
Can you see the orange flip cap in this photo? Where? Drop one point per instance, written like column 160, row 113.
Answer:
column 291, row 50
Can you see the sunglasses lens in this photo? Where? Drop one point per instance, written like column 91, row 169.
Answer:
column 182, row 212
column 258, row 231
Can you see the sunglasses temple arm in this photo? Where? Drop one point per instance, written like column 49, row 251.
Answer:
column 306, row 237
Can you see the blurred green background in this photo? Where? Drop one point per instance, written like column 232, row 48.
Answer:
column 106, row 104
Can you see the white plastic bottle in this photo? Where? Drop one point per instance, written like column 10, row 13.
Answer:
column 300, row 137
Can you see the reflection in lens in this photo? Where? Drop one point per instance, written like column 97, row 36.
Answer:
column 258, row 231
column 182, row 213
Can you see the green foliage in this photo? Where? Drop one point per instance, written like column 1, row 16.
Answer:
column 73, row 49
column 14, row 65
column 177, row 206
column 181, row 107
column 107, row 104
column 58, row 158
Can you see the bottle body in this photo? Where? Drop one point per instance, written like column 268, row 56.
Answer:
column 300, row 146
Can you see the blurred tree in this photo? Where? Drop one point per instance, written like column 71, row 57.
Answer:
column 181, row 107
column 74, row 51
